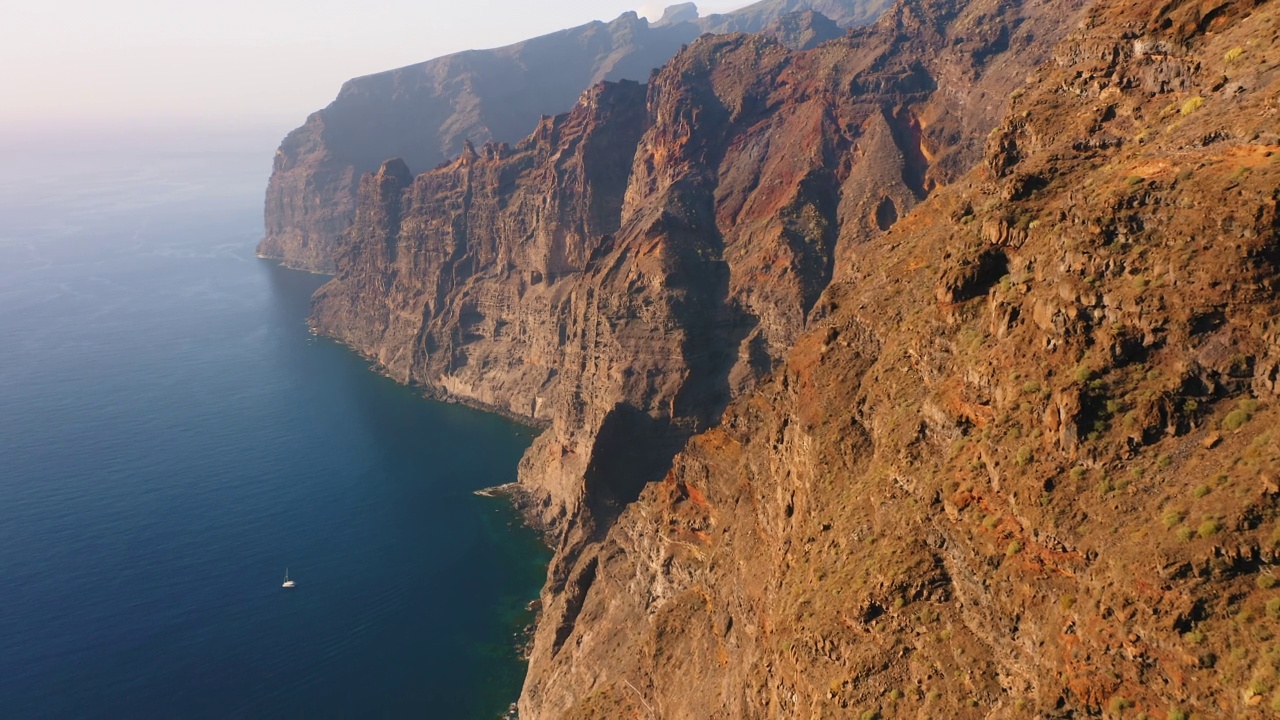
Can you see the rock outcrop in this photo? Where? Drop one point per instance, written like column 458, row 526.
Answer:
column 424, row 113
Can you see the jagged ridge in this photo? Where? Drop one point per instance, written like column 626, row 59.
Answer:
column 423, row 113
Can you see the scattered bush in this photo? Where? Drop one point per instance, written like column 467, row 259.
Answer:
column 1273, row 608
column 1186, row 533
column 1014, row 548
column 895, row 694
column 1235, row 420
column 1200, row 491
column 1164, row 461
column 1195, row 637
column 1209, row 527
column 1233, row 54
column 1077, row 473
column 1024, row 455
column 1241, row 415
column 1266, row 581
column 1176, row 714
column 1031, row 387
column 1133, row 180
column 1192, row 105
column 1083, row 374
column 1118, row 705
column 1171, row 518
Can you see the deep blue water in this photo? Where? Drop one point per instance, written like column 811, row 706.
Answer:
column 172, row 437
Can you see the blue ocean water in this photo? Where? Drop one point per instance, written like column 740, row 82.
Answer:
column 172, row 438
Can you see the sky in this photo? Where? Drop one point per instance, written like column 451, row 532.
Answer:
column 267, row 63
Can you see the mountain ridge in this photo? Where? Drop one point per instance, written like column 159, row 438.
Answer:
column 423, row 113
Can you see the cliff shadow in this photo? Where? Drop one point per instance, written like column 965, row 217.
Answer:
column 632, row 449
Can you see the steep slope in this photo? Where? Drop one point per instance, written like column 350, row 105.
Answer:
column 425, row 112
column 620, row 275
column 1026, row 463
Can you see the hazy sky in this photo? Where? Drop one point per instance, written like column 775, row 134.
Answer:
column 262, row 62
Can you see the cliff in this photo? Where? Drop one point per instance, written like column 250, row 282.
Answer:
column 633, row 266
column 424, row 113
column 1024, row 461
column 625, row 271
column 927, row 371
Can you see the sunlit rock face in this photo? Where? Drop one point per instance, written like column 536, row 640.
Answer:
column 424, row 113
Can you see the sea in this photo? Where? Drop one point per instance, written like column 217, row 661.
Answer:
column 173, row 440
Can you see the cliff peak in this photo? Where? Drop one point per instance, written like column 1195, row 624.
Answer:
column 682, row 12
column 397, row 170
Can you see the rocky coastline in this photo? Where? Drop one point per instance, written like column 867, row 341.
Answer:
column 926, row 370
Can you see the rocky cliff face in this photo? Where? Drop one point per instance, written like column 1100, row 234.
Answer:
column 1024, row 462
column 636, row 264
column 424, row 113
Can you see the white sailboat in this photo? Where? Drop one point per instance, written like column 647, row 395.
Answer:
column 287, row 582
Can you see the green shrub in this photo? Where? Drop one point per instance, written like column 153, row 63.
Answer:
column 895, row 694
column 1233, row 54
column 1235, row 420
column 1171, row 518
column 1176, row 714
column 1200, row 491
column 1031, row 387
column 1164, row 461
column 1273, row 608
column 1192, row 105
column 1024, row 455
column 1186, row 533
column 1266, row 581
column 1209, row 527
column 1195, row 637
column 1118, row 705
column 1083, row 374
column 1077, row 473
column 1014, row 548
